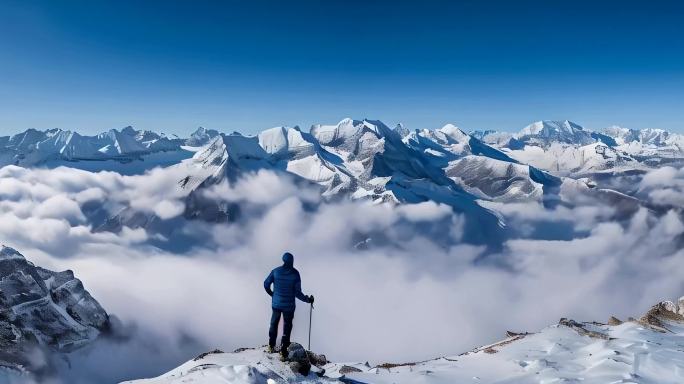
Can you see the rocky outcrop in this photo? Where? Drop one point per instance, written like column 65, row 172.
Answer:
column 614, row 321
column 660, row 314
column 302, row 361
column 42, row 310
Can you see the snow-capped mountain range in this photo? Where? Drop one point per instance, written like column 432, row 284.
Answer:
column 548, row 162
column 645, row 350
column 33, row 147
column 550, row 145
column 365, row 159
column 567, row 148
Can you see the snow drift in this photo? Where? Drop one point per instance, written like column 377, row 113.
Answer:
column 645, row 350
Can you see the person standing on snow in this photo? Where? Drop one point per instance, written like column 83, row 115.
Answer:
column 287, row 285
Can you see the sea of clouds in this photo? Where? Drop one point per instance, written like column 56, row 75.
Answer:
column 392, row 283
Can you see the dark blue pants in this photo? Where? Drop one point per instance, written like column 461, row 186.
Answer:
column 287, row 328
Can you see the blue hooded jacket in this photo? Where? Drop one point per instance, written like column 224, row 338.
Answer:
column 287, row 285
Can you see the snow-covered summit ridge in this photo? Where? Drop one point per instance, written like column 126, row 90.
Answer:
column 546, row 132
column 645, row 350
column 568, row 132
column 551, row 127
column 360, row 159
column 37, row 148
column 248, row 365
column 201, row 136
column 570, row 149
column 454, row 132
column 365, row 159
column 8, row 253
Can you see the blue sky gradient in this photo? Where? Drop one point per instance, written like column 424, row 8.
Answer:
column 248, row 65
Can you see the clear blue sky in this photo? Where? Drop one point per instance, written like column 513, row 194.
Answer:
column 248, row 65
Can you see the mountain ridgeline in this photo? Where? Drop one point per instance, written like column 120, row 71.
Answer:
column 653, row 146
column 367, row 160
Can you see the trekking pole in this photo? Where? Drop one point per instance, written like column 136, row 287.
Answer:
column 310, row 315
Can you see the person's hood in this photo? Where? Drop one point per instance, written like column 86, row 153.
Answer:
column 288, row 260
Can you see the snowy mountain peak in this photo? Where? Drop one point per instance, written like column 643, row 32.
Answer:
column 401, row 130
column 654, row 136
column 376, row 125
column 454, row 132
column 212, row 154
column 449, row 127
column 129, row 130
column 551, row 127
column 331, row 134
column 245, row 149
column 646, row 141
column 283, row 140
column 350, row 146
column 8, row 253
column 348, row 121
column 346, row 129
column 622, row 135
column 201, row 137
column 616, row 130
column 207, row 165
column 563, row 146
column 448, row 139
column 199, row 131
column 546, row 132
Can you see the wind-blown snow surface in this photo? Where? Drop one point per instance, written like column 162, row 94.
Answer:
column 250, row 366
column 650, row 350
column 179, row 253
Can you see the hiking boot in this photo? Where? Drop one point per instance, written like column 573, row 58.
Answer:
column 270, row 349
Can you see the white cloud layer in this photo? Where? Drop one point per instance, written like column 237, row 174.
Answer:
column 392, row 283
